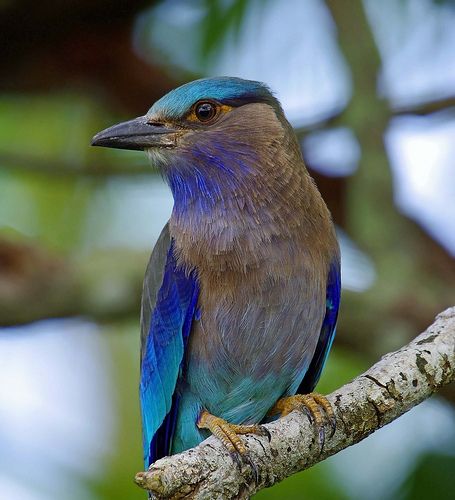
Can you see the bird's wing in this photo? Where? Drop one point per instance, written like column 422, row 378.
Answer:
column 327, row 330
column 168, row 305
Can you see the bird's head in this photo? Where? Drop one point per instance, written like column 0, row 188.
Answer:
column 207, row 134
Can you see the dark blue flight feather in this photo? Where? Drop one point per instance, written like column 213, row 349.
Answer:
column 163, row 355
column 327, row 331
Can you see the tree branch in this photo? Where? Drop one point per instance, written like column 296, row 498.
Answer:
column 36, row 283
column 394, row 385
column 64, row 168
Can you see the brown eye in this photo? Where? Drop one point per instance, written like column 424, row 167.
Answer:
column 205, row 111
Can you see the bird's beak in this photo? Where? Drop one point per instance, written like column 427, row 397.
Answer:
column 137, row 134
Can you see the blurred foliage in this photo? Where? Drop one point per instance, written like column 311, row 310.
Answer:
column 224, row 18
column 313, row 484
column 432, row 477
column 126, row 458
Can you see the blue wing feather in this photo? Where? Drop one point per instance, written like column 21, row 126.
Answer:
column 327, row 330
column 170, row 326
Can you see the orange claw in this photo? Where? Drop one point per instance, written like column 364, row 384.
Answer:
column 311, row 405
column 228, row 434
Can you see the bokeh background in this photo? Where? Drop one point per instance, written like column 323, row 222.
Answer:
column 370, row 89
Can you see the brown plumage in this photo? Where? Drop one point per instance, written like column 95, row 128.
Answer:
column 242, row 290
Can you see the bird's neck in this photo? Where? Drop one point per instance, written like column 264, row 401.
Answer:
column 240, row 194
column 235, row 225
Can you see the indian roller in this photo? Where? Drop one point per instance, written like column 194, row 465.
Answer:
column 241, row 293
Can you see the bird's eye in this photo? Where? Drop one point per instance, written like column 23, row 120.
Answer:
column 205, row 111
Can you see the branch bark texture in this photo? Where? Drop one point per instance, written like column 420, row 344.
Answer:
column 394, row 385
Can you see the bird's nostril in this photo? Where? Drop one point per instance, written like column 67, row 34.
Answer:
column 155, row 124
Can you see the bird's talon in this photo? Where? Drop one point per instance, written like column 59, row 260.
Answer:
column 307, row 412
column 333, row 426
column 236, row 458
column 321, row 435
column 330, row 414
column 263, row 431
column 228, row 434
column 253, row 466
column 315, row 406
column 266, row 433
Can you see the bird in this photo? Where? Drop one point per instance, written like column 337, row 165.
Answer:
column 241, row 294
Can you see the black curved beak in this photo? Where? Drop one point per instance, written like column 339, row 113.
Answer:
column 137, row 134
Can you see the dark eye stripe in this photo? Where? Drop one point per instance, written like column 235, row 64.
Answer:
column 244, row 99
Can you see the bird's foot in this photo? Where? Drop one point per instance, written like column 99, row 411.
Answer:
column 317, row 408
column 228, row 434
